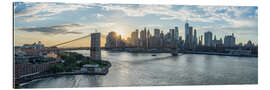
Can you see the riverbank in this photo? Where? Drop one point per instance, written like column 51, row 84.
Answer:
column 220, row 54
column 23, row 80
column 184, row 52
column 71, row 64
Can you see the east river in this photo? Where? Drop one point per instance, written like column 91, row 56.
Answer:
column 143, row 69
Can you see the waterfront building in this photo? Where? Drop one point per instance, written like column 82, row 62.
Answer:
column 208, row 39
column 27, row 69
column 249, row 44
column 219, row 42
column 239, row 52
column 240, row 45
column 229, row 40
column 89, row 67
column 95, row 50
column 111, row 40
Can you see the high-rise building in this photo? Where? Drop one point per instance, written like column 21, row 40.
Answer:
column 172, row 33
column 137, row 38
column 190, row 42
column 229, row 41
column 148, row 39
column 134, row 38
column 176, row 33
column 214, row 42
column 219, row 42
column 195, row 39
column 143, row 38
column 167, row 40
column 208, row 39
column 156, row 39
column 161, row 39
column 200, row 41
column 111, row 39
column 186, row 34
column 95, row 50
column 157, row 33
column 180, row 42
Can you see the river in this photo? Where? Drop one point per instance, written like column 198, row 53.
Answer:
column 143, row 69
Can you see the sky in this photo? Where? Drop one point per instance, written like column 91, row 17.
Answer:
column 53, row 23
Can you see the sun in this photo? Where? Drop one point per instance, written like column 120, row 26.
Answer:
column 119, row 32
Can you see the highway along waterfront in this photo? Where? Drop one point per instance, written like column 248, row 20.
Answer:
column 144, row 69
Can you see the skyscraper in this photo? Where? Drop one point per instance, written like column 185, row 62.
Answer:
column 143, row 38
column 195, row 39
column 137, row 38
column 111, row 39
column 214, row 41
column 200, row 41
column 148, row 41
column 161, row 39
column 157, row 33
column 172, row 34
column 186, row 34
column 229, row 41
column 208, row 39
column 134, row 38
column 176, row 33
column 190, row 42
column 156, row 39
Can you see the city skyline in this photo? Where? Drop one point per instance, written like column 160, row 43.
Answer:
column 47, row 22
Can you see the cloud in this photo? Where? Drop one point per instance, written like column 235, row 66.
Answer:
column 206, row 14
column 59, row 29
column 98, row 15
column 33, row 18
column 43, row 11
column 218, row 17
column 140, row 10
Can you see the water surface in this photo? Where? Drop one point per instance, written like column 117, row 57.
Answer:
column 143, row 69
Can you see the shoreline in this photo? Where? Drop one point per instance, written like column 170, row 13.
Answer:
column 184, row 52
column 25, row 80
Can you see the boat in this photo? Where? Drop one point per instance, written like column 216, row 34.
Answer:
column 154, row 55
column 174, row 54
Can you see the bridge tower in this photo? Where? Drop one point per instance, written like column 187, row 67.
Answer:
column 95, row 50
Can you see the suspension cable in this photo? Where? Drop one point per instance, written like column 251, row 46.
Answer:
column 70, row 41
